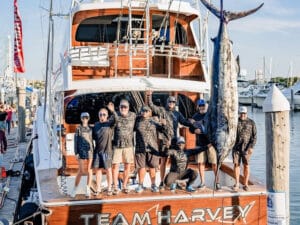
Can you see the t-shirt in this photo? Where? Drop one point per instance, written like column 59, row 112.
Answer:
column 3, row 116
column 9, row 115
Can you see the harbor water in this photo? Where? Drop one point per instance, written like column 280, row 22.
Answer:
column 258, row 161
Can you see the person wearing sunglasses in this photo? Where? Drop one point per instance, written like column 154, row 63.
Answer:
column 102, row 157
column 146, row 133
column 83, row 147
column 123, row 151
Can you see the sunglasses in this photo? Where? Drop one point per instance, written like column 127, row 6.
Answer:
column 102, row 114
column 172, row 102
column 123, row 106
column 85, row 118
column 144, row 111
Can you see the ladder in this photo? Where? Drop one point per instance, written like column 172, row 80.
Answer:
column 138, row 34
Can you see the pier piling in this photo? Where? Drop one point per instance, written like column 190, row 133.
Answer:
column 276, row 108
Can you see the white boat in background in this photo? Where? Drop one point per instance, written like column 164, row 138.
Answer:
column 255, row 94
column 293, row 95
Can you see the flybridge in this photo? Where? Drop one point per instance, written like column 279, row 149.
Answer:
column 227, row 214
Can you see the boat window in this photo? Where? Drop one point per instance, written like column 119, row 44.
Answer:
column 164, row 34
column 104, row 28
column 180, row 36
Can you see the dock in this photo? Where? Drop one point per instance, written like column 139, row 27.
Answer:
column 10, row 186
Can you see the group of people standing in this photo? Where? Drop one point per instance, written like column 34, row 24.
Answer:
column 155, row 131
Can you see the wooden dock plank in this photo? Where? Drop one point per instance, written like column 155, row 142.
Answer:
column 13, row 159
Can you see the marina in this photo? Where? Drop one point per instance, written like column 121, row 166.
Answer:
column 144, row 56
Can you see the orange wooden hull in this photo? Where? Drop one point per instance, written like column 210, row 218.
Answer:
column 195, row 209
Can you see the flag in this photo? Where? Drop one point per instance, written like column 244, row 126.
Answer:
column 18, row 48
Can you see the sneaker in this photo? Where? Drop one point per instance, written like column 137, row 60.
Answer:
column 115, row 191
column 189, row 188
column 139, row 189
column 161, row 186
column 126, row 190
column 201, row 186
column 154, row 188
column 88, row 192
column 235, row 187
column 73, row 193
column 218, row 186
column 109, row 192
column 173, row 187
column 98, row 192
column 246, row 188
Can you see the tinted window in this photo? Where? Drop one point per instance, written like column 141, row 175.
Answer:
column 104, row 28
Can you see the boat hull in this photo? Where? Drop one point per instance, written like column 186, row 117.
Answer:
column 191, row 209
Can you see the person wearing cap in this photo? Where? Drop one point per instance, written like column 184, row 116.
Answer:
column 83, row 148
column 179, row 170
column 243, row 148
column 123, row 151
column 146, row 149
column 102, row 157
column 210, row 155
column 173, row 118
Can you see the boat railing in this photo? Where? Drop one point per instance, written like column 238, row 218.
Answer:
column 89, row 56
column 182, row 52
column 99, row 55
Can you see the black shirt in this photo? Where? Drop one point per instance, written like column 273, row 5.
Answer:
column 3, row 116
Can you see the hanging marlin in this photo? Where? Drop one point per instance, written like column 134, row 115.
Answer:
column 222, row 115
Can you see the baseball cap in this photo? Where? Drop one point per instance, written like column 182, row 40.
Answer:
column 145, row 108
column 84, row 114
column 243, row 109
column 172, row 99
column 201, row 102
column 180, row 140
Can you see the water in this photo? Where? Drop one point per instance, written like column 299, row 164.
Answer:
column 258, row 161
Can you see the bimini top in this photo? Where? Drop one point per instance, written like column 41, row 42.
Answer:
column 163, row 5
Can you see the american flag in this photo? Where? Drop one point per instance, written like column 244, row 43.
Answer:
column 18, row 48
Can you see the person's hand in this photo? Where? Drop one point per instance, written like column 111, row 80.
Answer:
column 77, row 156
column 163, row 122
column 191, row 120
column 197, row 131
column 111, row 106
column 249, row 151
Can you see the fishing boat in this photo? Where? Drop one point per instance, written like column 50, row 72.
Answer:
column 119, row 49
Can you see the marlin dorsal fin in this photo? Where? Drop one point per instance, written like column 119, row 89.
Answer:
column 228, row 16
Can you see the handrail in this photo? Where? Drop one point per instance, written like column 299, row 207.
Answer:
column 99, row 56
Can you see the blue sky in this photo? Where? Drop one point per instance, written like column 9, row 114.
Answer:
column 272, row 33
